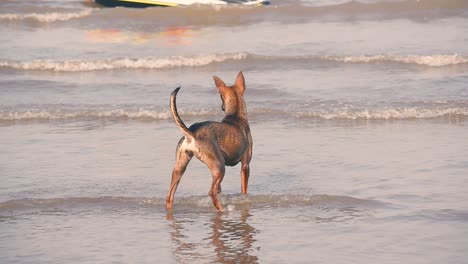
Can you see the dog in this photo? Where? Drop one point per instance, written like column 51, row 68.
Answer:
column 216, row 144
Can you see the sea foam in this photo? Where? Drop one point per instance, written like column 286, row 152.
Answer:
column 386, row 114
column 46, row 17
column 438, row 60
column 46, row 114
column 122, row 63
column 143, row 114
column 153, row 63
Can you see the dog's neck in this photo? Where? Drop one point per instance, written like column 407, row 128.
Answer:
column 236, row 108
column 242, row 110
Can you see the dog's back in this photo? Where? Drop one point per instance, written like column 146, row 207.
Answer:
column 230, row 136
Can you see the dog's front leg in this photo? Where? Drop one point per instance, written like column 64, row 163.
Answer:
column 245, row 172
column 245, row 169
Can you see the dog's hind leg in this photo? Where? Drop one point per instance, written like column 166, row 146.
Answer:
column 218, row 175
column 217, row 172
column 183, row 157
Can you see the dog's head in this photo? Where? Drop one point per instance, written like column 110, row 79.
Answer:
column 232, row 97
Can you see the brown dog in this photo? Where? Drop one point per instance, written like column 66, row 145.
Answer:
column 216, row 144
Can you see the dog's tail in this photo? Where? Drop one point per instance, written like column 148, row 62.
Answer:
column 187, row 133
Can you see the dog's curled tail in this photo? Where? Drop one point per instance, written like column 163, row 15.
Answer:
column 187, row 133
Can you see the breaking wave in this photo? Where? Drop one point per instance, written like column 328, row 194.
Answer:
column 458, row 110
column 123, row 63
column 436, row 60
column 387, row 114
column 44, row 114
column 47, row 17
column 151, row 63
column 430, row 60
column 64, row 114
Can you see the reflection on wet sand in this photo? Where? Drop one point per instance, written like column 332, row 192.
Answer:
column 169, row 36
column 230, row 240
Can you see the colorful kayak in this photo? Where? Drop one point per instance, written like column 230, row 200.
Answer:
column 167, row 3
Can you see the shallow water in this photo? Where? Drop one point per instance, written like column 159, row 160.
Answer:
column 358, row 113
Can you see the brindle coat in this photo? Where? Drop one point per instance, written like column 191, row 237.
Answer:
column 216, row 144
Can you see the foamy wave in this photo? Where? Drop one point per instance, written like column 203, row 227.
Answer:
column 386, row 114
column 47, row 17
column 144, row 114
column 429, row 60
column 203, row 60
column 435, row 60
column 57, row 114
column 125, row 63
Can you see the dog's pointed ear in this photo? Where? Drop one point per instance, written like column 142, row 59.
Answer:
column 240, row 82
column 219, row 83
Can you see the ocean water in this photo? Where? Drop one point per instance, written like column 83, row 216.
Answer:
column 358, row 111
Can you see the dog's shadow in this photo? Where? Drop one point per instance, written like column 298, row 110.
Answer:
column 231, row 239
